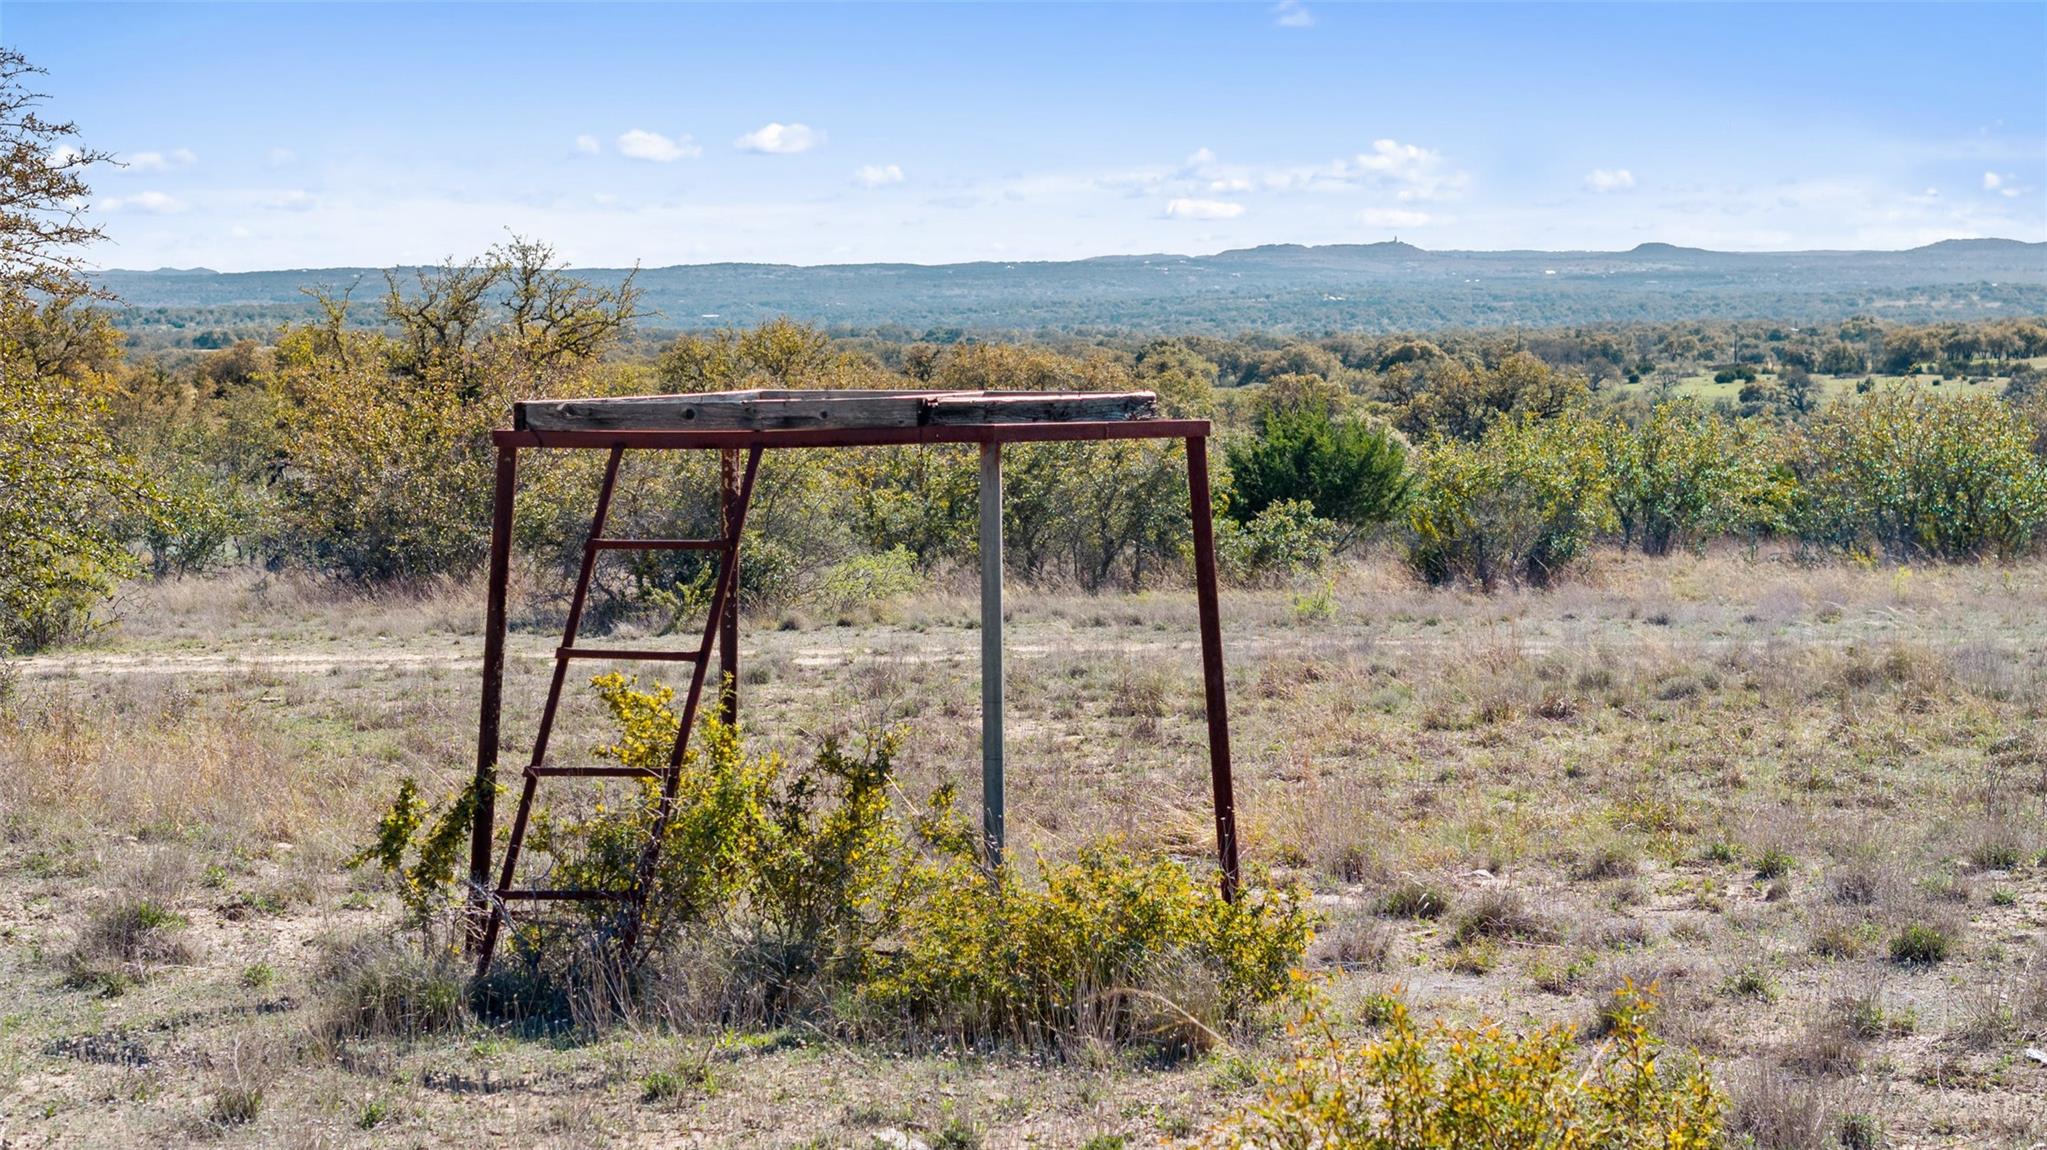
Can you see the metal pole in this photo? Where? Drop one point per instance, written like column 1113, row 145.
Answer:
column 485, row 782
column 991, row 651
column 1203, row 509
column 729, row 467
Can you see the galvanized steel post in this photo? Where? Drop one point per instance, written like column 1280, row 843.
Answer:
column 991, row 651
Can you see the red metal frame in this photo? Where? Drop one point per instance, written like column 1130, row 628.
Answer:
column 721, row 629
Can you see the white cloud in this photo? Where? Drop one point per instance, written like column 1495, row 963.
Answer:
column 162, row 161
column 1191, row 209
column 279, row 157
column 878, row 175
column 1609, row 179
column 640, row 144
column 63, row 154
column 1420, row 172
column 155, row 203
column 2004, row 185
column 1394, row 218
column 588, row 145
column 289, row 200
column 1409, row 171
column 1200, row 158
column 780, row 139
column 1292, row 14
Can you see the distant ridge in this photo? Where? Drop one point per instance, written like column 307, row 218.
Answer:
column 1387, row 286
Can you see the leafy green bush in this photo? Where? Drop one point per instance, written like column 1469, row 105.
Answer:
column 1519, row 505
column 1349, row 472
column 870, row 578
column 1921, row 944
column 1087, row 949
column 1282, row 541
column 63, row 482
column 1906, row 473
column 1452, row 401
column 1454, row 1088
column 434, row 836
column 821, row 894
column 1685, row 475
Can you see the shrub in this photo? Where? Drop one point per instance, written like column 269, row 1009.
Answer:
column 1775, row 863
column 434, row 836
column 1457, row 403
column 790, row 879
column 1456, row 1087
column 1086, row 949
column 866, row 579
column 1284, row 540
column 1520, row 505
column 1349, row 472
column 1413, row 898
column 237, row 1105
column 63, row 483
column 380, row 988
column 1905, row 473
column 1686, row 475
column 1921, row 944
column 1501, row 914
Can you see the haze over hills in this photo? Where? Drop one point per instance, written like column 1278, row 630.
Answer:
column 1277, row 287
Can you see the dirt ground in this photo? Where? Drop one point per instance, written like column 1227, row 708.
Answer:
column 1741, row 779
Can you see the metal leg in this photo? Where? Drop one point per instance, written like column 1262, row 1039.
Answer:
column 728, row 628
column 492, row 710
column 991, row 653
column 1203, row 509
column 548, row 711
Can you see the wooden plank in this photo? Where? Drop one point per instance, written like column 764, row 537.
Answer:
column 700, row 413
column 782, row 410
column 860, row 437
column 1113, row 406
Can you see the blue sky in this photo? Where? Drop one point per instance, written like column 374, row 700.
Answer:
column 299, row 135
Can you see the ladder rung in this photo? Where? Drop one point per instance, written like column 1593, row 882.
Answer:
column 658, row 544
column 650, row 656
column 564, row 895
column 594, row 772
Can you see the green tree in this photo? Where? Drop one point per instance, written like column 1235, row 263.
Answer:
column 1685, row 475
column 388, row 463
column 1463, row 404
column 1906, row 473
column 1352, row 473
column 63, row 482
column 1520, row 505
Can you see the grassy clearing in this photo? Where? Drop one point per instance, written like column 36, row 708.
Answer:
column 1809, row 804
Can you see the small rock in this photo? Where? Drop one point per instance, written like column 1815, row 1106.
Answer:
column 895, row 1139
column 2036, row 1054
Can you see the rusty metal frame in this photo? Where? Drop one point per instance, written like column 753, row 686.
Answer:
column 487, row 901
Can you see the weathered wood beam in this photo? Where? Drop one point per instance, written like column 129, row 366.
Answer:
column 787, row 410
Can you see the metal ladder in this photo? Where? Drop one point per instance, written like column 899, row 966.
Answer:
column 733, row 505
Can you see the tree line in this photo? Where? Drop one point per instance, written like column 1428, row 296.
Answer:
column 354, row 444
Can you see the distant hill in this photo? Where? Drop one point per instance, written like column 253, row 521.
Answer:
column 1277, row 287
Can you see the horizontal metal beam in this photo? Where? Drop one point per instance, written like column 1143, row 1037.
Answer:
column 658, row 544
column 865, row 436
column 647, row 656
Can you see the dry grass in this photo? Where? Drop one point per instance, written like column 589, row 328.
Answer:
column 1739, row 780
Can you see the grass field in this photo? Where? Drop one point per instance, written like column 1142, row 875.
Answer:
column 1808, row 803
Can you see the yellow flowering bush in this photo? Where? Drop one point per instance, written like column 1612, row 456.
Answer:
column 1463, row 1088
